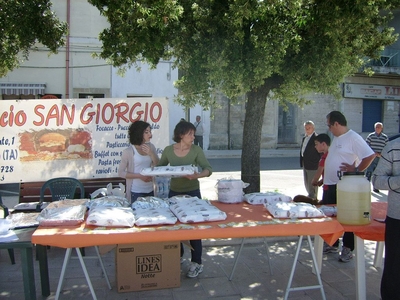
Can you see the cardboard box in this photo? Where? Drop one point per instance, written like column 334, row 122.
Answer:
column 148, row 266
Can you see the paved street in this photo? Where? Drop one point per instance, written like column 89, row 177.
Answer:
column 266, row 164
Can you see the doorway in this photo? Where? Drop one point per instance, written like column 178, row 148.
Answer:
column 287, row 121
column 372, row 113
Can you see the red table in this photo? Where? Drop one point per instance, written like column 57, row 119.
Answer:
column 375, row 231
column 243, row 220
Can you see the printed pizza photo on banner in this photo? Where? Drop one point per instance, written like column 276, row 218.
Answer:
column 55, row 144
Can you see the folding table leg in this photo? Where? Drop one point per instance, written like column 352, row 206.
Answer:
column 361, row 292
column 80, row 257
column 236, row 259
column 320, row 286
column 102, row 267
column 78, row 252
column 318, row 249
column 268, row 256
column 240, row 251
column 378, row 254
column 64, row 267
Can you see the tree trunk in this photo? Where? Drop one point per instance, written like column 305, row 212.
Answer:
column 255, row 109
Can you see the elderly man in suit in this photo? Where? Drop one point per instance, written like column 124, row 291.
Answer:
column 309, row 158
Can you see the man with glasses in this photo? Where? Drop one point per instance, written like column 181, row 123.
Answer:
column 349, row 153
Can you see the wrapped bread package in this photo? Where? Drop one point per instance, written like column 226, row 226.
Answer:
column 329, row 211
column 149, row 202
column 23, row 220
column 195, row 210
column 111, row 216
column 172, row 171
column 293, row 210
column 267, row 197
column 63, row 213
column 154, row 216
column 109, row 201
column 30, row 205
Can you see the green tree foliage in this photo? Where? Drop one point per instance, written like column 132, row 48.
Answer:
column 249, row 47
column 22, row 24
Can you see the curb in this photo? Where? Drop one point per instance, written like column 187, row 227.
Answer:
column 263, row 154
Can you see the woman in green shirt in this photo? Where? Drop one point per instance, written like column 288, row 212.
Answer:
column 183, row 152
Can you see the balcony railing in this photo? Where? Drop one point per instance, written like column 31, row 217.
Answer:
column 388, row 62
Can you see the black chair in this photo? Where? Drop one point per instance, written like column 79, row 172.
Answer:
column 61, row 188
column 5, row 214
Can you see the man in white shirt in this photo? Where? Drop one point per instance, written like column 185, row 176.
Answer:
column 198, row 136
column 348, row 153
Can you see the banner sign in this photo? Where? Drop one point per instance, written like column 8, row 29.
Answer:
column 80, row 138
column 384, row 92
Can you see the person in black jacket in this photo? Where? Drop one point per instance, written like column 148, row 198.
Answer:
column 309, row 158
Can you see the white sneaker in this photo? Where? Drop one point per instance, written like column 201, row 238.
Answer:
column 345, row 255
column 194, row 270
column 329, row 249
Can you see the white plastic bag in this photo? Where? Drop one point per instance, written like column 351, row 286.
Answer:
column 119, row 192
column 109, row 191
column 161, row 186
column 230, row 190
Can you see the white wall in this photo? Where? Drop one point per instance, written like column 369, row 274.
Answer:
column 85, row 72
column 154, row 83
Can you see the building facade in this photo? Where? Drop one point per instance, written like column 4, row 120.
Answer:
column 74, row 73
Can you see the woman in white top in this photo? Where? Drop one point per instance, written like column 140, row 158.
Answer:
column 140, row 154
